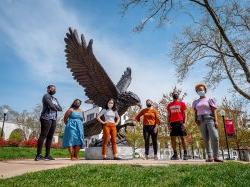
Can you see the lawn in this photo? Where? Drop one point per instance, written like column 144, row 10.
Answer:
column 7, row 153
column 226, row 174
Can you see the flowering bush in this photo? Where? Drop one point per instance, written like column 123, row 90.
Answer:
column 3, row 142
column 56, row 145
column 16, row 143
column 13, row 143
column 29, row 143
column 25, row 143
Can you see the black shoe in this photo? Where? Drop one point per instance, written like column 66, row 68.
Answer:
column 174, row 157
column 185, row 157
column 117, row 158
column 39, row 157
column 218, row 160
column 104, row 158
column 49, row 158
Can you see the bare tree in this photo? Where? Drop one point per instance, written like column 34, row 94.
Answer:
column 218, row 38
column 12, row 114
column 27, row 122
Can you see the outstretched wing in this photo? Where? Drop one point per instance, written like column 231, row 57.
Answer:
column 125, row 81
column 87, row 71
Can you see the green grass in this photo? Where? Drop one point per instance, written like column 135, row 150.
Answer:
column 226, row 174
column 7, row 153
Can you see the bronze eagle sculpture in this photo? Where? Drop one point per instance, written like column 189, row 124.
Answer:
column 98, row 86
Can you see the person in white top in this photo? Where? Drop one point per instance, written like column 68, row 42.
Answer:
column 111, row 120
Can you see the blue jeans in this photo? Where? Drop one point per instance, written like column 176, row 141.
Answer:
column 209, row 134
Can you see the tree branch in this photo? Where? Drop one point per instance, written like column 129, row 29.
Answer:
column 239, row 90
column 238, row 57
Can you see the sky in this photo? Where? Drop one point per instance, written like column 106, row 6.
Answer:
column 32, row 51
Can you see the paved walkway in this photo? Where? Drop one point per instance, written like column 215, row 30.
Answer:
column 11, row 168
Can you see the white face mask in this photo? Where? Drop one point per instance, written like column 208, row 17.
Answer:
column 201, row 93
column 110, row 106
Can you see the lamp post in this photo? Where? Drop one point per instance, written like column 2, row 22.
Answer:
column 197, row 145
column 223, row 113
column 192, row 145
column 192, row 149
column 5, row 111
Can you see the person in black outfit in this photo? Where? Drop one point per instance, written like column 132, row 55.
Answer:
column 48, row 123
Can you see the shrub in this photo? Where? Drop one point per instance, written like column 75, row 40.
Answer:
column 29, row 143
column 3, row 142
column 13, row 143
column 56, row 145
column 16, row 136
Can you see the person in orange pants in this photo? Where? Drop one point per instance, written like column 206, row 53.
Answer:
column 111, row 119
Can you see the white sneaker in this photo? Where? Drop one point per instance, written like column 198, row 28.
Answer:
column 155, row 157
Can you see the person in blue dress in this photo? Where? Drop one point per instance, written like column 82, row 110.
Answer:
column 73, row 133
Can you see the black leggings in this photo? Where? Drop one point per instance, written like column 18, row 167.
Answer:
column 48, row 128
column 148, row 130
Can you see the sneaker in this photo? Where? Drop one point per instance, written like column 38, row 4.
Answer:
column 39, row 157
column 104, row 158
column 209, row 160
column 117, row 158
column 185, row 157
column 155, row 157
column 218, row 160
column 49, row 158
column 146, row 157
column 174, row 157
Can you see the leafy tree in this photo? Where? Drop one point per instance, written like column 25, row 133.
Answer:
column 134, row 135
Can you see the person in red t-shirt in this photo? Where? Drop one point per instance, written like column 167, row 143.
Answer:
column 177, row 123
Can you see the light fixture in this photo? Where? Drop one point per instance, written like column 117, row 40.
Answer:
column 5, row 111
column 222, row 112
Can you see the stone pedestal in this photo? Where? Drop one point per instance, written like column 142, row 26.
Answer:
column 95, row 153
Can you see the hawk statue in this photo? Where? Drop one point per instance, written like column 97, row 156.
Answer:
column 98, row 86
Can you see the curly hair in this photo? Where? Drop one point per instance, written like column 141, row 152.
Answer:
column 201, row 84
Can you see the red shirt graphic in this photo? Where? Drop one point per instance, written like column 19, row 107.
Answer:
column 176, row 111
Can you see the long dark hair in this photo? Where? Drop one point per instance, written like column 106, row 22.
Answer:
column 72, row 105
column 114, row 108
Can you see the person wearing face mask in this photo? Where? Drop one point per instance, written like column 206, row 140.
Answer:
column 73, row 132
column 150, row 121
column 177, row 120
column 48, row 122
column 206, row 119
column 111, row 120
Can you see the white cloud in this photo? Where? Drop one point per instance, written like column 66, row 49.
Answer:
column 35, row 30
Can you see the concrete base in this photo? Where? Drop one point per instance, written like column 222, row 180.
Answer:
column 95, row 153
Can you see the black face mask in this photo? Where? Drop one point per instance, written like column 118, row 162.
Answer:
column 175, row 96
column 76, row 106
column 149, row 105
column 52, row 92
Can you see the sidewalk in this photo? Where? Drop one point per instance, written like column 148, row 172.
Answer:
column 11, row 168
